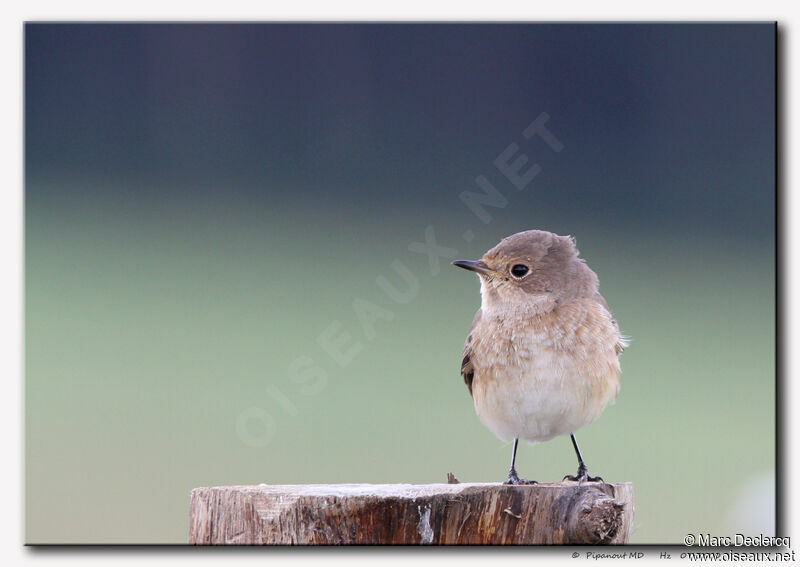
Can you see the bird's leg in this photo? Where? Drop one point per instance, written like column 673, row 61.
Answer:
column 583, row 472
column 513, row 478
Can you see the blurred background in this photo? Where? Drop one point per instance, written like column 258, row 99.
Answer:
column 205, row 203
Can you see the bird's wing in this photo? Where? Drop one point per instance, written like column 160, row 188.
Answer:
column 467, row 369
column 622, row 340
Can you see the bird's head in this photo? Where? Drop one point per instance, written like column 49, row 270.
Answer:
column 531, row 270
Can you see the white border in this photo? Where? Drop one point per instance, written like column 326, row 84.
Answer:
column 11, row 224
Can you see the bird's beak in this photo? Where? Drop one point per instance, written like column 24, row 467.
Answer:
column 478, row 266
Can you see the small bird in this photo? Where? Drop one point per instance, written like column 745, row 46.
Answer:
column 542, row 356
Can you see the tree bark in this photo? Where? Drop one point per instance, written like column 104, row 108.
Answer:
column 565, row 513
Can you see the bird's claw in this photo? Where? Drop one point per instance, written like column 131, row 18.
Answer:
column 583, row 476
column 515, row 480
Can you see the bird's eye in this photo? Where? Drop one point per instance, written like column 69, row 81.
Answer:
column 519, row 270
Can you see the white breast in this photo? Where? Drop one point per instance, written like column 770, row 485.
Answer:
column 537, row 382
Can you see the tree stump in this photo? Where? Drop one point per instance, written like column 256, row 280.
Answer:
column 564, row 513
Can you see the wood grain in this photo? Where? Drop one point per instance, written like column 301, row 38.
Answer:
column 381, row 514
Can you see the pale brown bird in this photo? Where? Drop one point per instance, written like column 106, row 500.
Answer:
column 542, row 356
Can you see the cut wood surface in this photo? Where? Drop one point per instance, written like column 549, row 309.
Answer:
column 565, row 513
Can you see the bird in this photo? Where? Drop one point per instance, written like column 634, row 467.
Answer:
column 541, row 359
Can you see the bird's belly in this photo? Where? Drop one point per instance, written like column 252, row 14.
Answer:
column 542, row 396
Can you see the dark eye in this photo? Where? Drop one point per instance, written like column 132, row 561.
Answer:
column 519, row 270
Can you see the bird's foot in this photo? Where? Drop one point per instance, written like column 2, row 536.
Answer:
column 514, row 479
column 583, row 476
